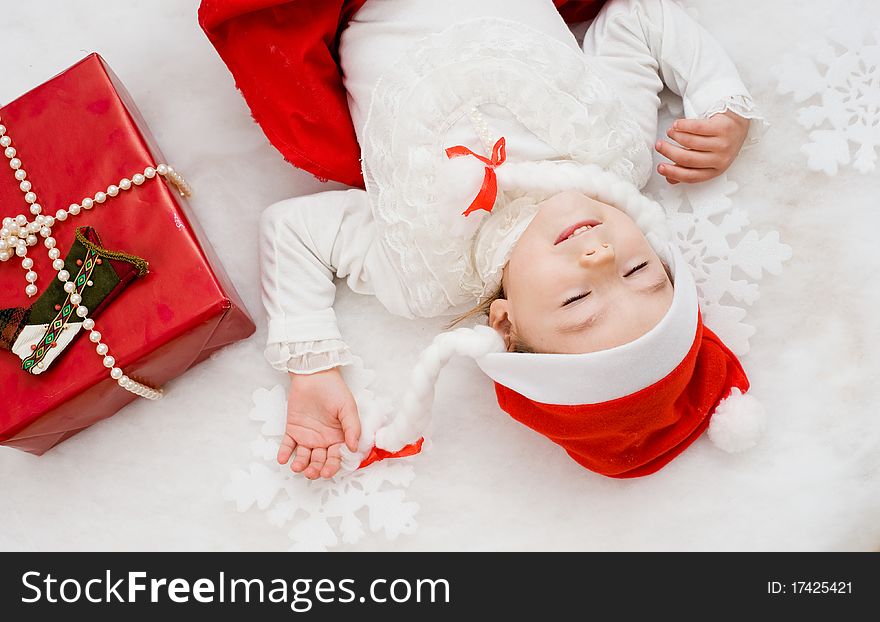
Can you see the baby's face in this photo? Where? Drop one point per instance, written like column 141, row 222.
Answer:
column 581, row 278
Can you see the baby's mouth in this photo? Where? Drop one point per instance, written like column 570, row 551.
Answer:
column 576, row 229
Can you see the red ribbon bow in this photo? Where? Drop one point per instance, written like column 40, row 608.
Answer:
column 485, row 198
column 376, row 454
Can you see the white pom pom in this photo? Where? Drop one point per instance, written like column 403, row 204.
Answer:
column 737, row 423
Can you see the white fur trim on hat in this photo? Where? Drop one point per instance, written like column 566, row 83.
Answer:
column 605, row 375
column 737, row 423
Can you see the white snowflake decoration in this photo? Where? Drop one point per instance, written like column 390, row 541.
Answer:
column 703, row 218
column 324, row 513
column 843, row 72
column 712, row 233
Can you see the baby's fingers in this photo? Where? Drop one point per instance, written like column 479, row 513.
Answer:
column 351, row 424
column 694, row 141
column 687, row 175
column 685, row 157
column 286, row 449
column 303, row 455
column 319, row 456
column 334, row 461
column 703, row 127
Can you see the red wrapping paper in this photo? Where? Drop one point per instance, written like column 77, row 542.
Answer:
column 77, row 134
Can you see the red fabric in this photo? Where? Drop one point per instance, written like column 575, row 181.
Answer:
column 574, row 11
column 485, row 199
column 377, row 454
column 640, row 433
column 283, row 56
column 76, row 134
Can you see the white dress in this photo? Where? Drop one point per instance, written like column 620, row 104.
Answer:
column 422, row 76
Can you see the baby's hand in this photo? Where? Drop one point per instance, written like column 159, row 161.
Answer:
column 321, row 416
column 708, row 147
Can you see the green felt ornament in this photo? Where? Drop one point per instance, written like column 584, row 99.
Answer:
column 38, row 335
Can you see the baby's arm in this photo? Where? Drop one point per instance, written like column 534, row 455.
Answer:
column 304, row 243
column 646, row 43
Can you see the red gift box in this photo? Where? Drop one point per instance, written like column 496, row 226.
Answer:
column 76, row 135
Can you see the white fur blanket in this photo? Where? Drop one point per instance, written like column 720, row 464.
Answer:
column 164, row 475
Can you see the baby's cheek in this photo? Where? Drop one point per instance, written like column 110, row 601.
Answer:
column 533, row 269
column 525, row 279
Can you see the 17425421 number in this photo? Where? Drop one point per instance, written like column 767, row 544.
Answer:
column 821, row 587
column 810, row 587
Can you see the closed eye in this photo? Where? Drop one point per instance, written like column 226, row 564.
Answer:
column 636, row 269
column 575, row 298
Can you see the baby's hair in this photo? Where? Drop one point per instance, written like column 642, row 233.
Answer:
column 482, row 309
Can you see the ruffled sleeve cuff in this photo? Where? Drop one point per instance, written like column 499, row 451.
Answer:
column 308, row 357
column 744, row 106
column 726, row 93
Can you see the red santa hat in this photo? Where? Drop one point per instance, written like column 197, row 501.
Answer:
column 621, row 412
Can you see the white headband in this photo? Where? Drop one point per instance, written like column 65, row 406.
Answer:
column 496, row 237
column 533, row 182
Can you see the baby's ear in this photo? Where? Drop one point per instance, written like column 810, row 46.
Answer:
column 499, row 319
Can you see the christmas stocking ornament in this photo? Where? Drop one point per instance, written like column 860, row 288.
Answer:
column 96, row 276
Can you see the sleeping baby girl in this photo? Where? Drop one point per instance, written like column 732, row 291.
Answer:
column 503, row 164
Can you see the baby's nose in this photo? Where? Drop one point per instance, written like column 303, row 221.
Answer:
column 599, row 255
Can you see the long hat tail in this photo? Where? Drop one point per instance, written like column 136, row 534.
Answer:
column 406, row 424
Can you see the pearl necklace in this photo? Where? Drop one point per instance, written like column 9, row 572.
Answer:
column 18, row 234
column 481, row 128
